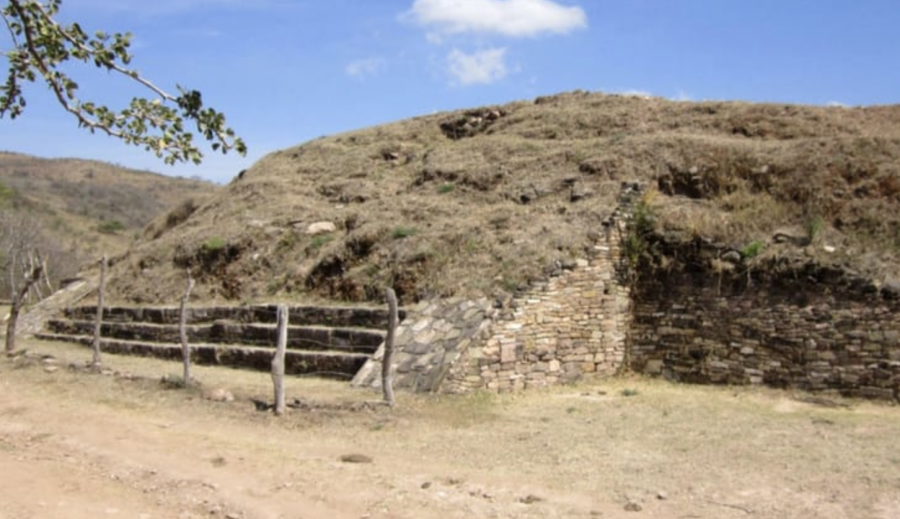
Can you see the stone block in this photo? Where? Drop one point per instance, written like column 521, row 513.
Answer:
column 877, row 392
column 653, row 367
column 508, row 353
column 425, row 336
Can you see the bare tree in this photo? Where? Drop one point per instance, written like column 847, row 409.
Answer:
column 20, row 241
column 182, row 332
column 387, row 378
column 278, row 360
column 17, row 301
column 20, row 263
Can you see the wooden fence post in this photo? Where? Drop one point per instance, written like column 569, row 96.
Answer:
column 278, row 360
column 95, row 362
column 182, row 332
column 387, row 378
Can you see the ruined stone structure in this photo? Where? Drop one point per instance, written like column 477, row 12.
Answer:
column 430, row 343
column 323, row 341
column 792, row 331
column 816, row 329
column 570, row 327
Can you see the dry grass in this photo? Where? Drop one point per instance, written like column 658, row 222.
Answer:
column 578, row 451
column 488, row 212
column 87, row 208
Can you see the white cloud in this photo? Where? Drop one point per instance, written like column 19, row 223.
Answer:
column 481, row 67
column 514, row 18
column 362, row 68
column 837, row 104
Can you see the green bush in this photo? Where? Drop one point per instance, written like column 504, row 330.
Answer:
column 6, row 192
column 814, row 227
column 320, row 240
column 752, row 249
column 404, row 232
column 214, row 244
column 111, row 227
column 640, row 228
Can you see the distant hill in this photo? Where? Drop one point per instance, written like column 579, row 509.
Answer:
column 88, row 208
column 481, row 201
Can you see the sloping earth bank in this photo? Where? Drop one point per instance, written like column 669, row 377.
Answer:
column 479, row 202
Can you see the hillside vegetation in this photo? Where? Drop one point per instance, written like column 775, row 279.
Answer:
column 87, row 208
column 479, row 202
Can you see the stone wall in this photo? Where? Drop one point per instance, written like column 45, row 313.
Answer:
column 790, row 331
column 570, row 327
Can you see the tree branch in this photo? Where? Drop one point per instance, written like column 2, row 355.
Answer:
column 47, row 44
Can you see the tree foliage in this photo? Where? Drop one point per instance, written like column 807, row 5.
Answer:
column 40, row 46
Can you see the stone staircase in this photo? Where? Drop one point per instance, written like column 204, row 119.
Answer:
column 32, row 321
column 332, row 342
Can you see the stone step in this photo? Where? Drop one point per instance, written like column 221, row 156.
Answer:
column 329, row 364
column 313, row 338
column 333, row 316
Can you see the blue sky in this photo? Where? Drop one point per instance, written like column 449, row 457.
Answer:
column 287, row 71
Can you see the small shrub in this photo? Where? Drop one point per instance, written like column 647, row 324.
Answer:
column 814, row 226
column 640, row 228
column 6, row 192
column 111, row 227
column 629, row 392
column 403, row 232
column 446, row 188
column 213, row 244
column 752, row 249
column 320, row 240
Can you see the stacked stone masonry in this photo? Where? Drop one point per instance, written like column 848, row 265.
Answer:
column 322, row 341
column 806, row 335
column 571, row 327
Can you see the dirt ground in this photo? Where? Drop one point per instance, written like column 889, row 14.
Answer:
column 75, row 444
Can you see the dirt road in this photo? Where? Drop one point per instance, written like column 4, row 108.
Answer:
column 80, row 445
